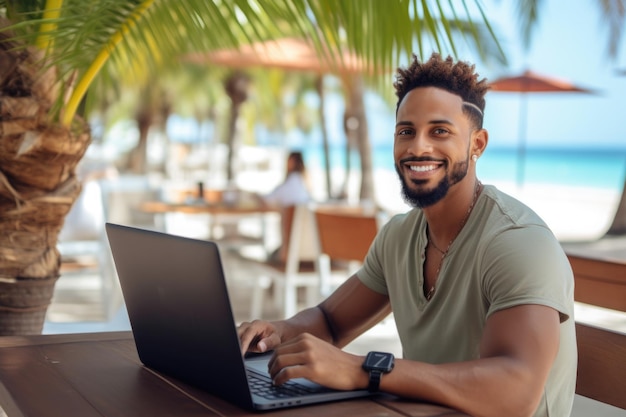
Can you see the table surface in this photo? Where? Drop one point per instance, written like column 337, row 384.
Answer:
column 99, row 374
column 204, row 207
column 244, row 206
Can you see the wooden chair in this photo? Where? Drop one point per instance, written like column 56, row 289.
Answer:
column 601, row 365
column 345, row 234
column 599, row 282
column 298, row 268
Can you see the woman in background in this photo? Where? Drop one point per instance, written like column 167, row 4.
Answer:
column 291, row 192
column 294, row 189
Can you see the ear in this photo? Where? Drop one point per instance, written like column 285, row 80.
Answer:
column 480, row 138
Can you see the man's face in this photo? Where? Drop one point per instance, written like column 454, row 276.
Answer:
column 431, row 144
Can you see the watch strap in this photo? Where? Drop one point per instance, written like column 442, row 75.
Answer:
column 375, row 376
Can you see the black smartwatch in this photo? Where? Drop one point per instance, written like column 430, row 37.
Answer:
column 377, row 364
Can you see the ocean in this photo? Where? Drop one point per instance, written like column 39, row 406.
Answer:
column 590, row 168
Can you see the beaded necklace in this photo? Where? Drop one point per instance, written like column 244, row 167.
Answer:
column 444, row 253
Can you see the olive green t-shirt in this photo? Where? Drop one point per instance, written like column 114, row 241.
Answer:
column 504, row 256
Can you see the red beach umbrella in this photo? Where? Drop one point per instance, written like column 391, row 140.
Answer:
column 285, row 53
column 294, row 54
column 525, row 83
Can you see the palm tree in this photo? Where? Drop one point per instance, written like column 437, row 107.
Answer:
column 52, row 51
column 614, row 13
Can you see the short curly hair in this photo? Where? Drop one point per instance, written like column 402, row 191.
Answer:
column 457, row 78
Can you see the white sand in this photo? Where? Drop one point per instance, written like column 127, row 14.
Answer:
column 573, row 213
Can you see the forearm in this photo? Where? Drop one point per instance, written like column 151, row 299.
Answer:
column 497, row 386
column 348, row 312
column 517, row 351
column 310, row 320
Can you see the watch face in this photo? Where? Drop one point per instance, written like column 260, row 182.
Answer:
column 379, row 361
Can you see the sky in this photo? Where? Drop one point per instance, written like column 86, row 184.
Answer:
column 569, row 42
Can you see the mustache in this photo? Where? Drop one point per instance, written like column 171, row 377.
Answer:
column 421, row 159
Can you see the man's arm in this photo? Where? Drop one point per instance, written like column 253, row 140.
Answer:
column 518, row 348
column 348, row 312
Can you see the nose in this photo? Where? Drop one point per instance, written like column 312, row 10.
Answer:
column 419, row 145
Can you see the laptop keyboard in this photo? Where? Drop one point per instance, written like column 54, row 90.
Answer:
column 262, row 386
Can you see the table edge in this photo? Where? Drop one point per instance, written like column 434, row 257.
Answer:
column 39, row 339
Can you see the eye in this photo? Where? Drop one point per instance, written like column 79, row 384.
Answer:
column 440, row 131
column 404, row 132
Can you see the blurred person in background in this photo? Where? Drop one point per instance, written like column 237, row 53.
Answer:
column 291, row 192
column 294, row 189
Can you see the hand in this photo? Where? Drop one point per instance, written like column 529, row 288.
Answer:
column 306, row 356
column 258, row 336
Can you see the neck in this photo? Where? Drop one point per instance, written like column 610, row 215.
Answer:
column 447, row 218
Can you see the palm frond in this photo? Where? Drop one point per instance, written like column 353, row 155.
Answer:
column 130, row 41
column 614, row 12
column 528, row 12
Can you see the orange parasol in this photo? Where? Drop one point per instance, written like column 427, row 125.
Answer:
column 531, row 82
column 292, row 54
column 286, row 53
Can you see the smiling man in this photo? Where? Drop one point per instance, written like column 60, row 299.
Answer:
column 480, row 288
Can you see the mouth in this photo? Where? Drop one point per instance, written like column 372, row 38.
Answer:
column 421, row 170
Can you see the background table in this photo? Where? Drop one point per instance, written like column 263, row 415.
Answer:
column 99, row 374
column 222, row 221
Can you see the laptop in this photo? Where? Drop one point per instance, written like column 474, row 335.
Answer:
column 181, row 317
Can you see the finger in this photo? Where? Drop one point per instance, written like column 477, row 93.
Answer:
column 294, row 346
column 301, row 343
column 258, row 337
column 248, row 337
column 268, row 343
column 291, row 372
column 299, row 361
column 242, row 328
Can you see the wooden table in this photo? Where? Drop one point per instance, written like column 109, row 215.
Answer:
column 161, row 207
column 222, row 220
column 99, row 374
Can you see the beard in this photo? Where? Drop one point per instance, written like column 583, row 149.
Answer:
column 426, row 198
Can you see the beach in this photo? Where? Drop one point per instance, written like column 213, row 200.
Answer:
column 579, row 217
column 574, row 214
column 575, row 192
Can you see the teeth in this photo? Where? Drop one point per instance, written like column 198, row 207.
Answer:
column 422, row 168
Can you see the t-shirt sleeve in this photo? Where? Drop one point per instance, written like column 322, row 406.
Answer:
column 371, row 272
column 527, row 266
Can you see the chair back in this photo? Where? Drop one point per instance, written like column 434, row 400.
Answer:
column 344, row 234
column 601, row 365
column 299, row 235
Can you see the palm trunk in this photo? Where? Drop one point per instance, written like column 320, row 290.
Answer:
column 138, row 159
column 350, row 123
column 319, row 86
column 236, row 87
column 618, row 226
column 37, row 187
column 356, row 104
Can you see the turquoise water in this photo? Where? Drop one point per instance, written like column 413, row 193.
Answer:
column 593, row 168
